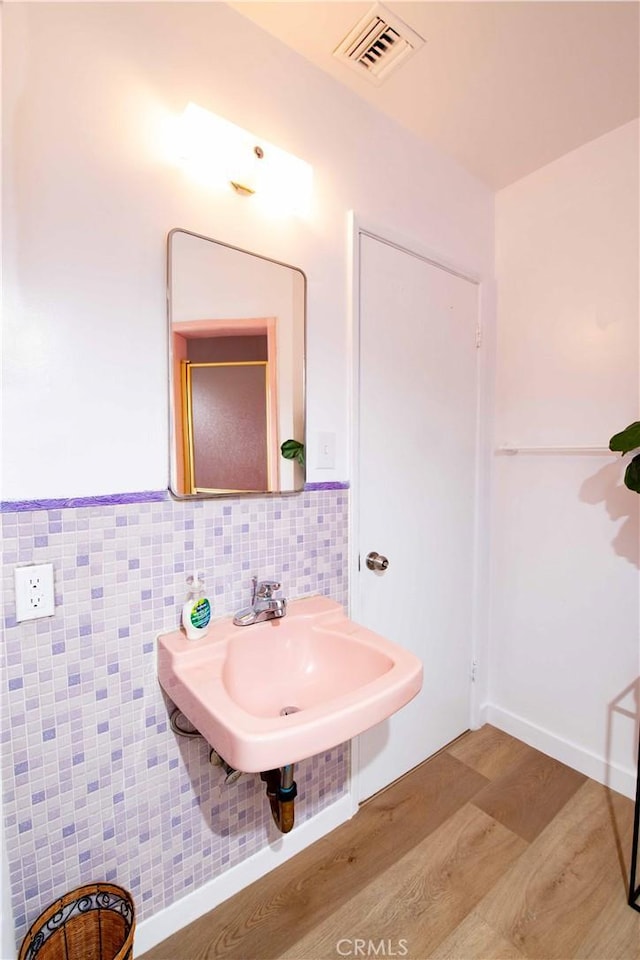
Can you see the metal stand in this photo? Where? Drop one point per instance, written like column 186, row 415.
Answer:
column 634, row 886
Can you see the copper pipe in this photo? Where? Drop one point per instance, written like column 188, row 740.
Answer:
column 286, row 817
column 281, row 796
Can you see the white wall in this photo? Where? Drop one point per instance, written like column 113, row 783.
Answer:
column 92, row 93
column 565, row 640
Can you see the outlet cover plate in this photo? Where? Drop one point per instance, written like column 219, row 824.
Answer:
column 34, row 591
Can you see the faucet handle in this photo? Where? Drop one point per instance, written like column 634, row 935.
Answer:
column 266, row 588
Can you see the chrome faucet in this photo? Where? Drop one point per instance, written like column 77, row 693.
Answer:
column 264, row 606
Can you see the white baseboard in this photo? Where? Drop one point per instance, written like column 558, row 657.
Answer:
column 598, row 768
column 160, row 926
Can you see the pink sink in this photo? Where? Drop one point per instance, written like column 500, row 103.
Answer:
column 336, row 677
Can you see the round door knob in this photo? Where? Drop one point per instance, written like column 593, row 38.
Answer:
column 375, row 561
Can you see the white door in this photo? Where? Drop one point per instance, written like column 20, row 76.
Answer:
column 415, row 492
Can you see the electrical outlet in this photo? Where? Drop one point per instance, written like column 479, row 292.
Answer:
column 34, row 591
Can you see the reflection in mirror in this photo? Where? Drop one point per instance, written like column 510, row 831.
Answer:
column 236, row 341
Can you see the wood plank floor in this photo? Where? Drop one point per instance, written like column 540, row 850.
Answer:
column 488, row 851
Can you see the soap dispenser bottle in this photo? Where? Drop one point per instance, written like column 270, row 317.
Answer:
column 196, row 612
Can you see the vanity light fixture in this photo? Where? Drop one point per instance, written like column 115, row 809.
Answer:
column 217, row 151
column 242, row 188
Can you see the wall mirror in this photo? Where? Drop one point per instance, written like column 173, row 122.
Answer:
column 237, row 363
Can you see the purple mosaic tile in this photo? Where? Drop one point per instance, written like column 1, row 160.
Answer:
column 104, row 788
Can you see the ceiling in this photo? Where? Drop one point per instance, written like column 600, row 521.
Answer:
column 503, row 87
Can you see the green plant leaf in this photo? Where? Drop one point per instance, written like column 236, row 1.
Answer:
column 632, row 474
column 293, row 450
column 627, row 439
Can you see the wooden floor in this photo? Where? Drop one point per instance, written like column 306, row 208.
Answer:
column 488, row 850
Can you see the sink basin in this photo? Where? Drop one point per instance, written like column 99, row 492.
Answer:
column 275, row 692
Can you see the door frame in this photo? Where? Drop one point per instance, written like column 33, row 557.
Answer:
column 485, row 332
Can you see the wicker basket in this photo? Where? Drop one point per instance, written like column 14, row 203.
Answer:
column 94, row 922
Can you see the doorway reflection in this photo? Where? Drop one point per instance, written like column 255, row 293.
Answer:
column 225, row 397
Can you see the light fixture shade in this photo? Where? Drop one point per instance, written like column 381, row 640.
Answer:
column 218, row 152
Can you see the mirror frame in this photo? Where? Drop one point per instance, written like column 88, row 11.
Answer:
column 172, row 412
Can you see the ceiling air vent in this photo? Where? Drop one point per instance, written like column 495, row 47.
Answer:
column 378, row 44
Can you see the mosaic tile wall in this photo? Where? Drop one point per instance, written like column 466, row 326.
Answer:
column 96, row 787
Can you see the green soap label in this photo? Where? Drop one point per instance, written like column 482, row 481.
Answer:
column 201, row 613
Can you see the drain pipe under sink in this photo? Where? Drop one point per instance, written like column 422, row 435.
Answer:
column 281, row 791
column 281, row 787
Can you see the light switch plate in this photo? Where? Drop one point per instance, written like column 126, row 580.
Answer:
column 326, row 456
column 34, row 591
